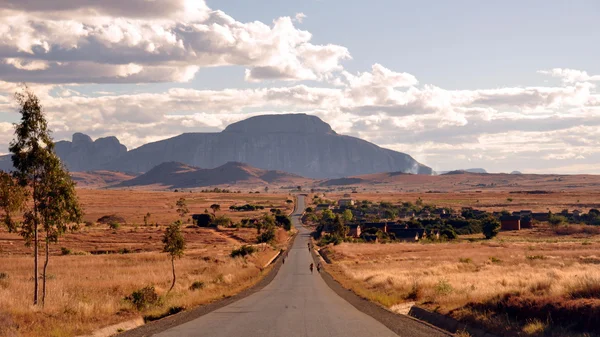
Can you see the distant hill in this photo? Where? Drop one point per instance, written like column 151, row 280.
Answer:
column 179, row 175
column 471, row 170
column 100, row 179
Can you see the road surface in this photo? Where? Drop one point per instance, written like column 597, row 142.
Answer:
column 295, row 303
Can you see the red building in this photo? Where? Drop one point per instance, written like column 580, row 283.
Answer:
column 510, row 223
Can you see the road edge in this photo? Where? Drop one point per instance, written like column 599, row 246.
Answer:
column 393, row 321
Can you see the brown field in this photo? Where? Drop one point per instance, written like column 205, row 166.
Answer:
column 467, row 279
column 133, row 205
column 490, row 200
column 87, row 288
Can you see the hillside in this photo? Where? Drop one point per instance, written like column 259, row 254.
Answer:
column 179, row 175
column 100, row 179
column 457, row 181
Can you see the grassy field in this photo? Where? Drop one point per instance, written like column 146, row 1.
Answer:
column 88, row 287
column 490, row 200
column 545, row 281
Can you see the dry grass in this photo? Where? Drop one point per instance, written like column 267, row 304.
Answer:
column 449, row 276
column 88, row 291
column 492, row 200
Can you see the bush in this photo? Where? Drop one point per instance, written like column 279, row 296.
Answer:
column 114, row 225
column 89, row 224
column 197, row 285
column 443, row 287
column 144, row 298
column 586, row 287
column 171, row 311
column 107, row 219
column 65, row 251
column 283, row 221
column 203, row 220
column 3, row 276
column 243, row 251
column 491, row 227
column 327, row 239
column 221, row 221
column 266, row 236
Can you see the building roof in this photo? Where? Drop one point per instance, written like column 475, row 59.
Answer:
column 510, row 218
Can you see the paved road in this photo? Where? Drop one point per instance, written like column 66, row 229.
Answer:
column 295, row 303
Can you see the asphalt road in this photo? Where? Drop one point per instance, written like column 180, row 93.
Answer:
column 295, row 303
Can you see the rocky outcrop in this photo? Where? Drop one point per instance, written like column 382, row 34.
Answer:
column 296, row 143
column 83, row 154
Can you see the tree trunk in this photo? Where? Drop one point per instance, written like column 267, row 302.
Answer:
column 35, row 247
column 44, row 272
column 173, row 264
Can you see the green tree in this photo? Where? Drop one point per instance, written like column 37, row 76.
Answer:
column 174, row 244
column 38, row 169
column 58, row 208
column 490, row 227
column 182, row 209
column 347, row 215
column 12, row 199
column 215, row 208
column 327, row 215
column 339, row 229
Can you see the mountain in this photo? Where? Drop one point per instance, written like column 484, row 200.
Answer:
column 81, row 154
column 471, row 170
column 297, row 143
column 179, row 175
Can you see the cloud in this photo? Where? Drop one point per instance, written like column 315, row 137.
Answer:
column 570, row 75
column 40, row 42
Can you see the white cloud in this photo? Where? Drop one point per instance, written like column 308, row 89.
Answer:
column 570, row 75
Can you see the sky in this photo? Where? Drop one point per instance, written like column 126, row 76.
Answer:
column 505, row 86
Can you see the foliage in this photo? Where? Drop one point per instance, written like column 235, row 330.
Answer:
column 197, row 285
column 491, row 227
column 347, row 215
column 204, row 219
column 309, row 210
column 327, row 239
column 12, row 199
column 174, row 244
column 243, row 251
column 221, row 221
column 147, row 219
column 182, row 208
column 283, row 221
column 114, row 225
column 245, row 208
column 144, row 298
column 215, row 208
column 266, row 236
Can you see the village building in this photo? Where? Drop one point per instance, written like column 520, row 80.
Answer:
column 354, row 230
column 510, row 223
column 346, row 202
column 540, row 216
column 401, row 233
column 322, row 207
column 526, row 222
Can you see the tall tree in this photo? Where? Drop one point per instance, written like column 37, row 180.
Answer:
column 31, row 149
column 174, row 244
column 38, row 169
column 58, row 207
column 182, row 208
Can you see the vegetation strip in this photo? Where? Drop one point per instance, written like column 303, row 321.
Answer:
column 400, row 324
column 190, row 315
column 446, row 323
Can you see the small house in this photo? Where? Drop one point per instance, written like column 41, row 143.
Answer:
column 540, row 216
column 526, row 222
column 510, row 223
column 401, row 233
column 382, row 226
column 354, row 230
column 346, row 202
column 577, row 213
column 322, row 207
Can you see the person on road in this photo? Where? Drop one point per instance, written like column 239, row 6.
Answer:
column 319, row 268
column 311, row 268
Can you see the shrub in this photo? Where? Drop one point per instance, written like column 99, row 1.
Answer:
column 283, row 221
column 415, row 293
column 3, row 275
column 491, row 227
column 197, row 285
column 443, row 287
column 465, row 260
column 107, row 219
column 266, row 236
column 171, row 311
column 125, row 251
column 327, row 239
column 114, row 225
column 495, row 260
column 203, row 220
column 221, row 221
column 536, row 257
column 243, row 251
column 535, row 327
column 65, row 251
column 144, row 298
column 89, row 224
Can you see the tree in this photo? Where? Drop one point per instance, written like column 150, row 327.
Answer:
column 266, row 189
column 338, row 227
column 174, row 244
column 490, row 227
column 147, row 219
column 182, row 208
column 38, row 169
column 299, row 188
column 12, row 199
column 347, row 215
column 215, row 208
column 58, row 207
